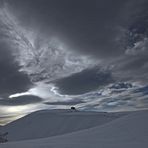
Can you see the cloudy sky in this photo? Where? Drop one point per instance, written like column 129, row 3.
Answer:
column 91, row 54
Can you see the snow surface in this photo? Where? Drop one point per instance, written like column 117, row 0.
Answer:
column 129, row 131
column 48, row 123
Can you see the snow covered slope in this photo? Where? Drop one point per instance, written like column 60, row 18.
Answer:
column 130, row 131
column 48, row 123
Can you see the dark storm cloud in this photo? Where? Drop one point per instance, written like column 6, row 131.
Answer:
column 94, row 27
column 83, row 82
column 134, row 64
column 105, row 29
column 132, row 68
column 88, row 26
column 11, row 80
column 22, row 100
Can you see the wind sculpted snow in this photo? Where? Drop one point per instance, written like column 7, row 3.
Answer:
column 130, row 131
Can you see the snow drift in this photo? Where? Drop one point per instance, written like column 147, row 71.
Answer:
column 48, row 123
column 130, row 131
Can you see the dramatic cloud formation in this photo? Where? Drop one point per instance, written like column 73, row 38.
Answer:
column 103, row 29
column 11, row 80
column 85, row 81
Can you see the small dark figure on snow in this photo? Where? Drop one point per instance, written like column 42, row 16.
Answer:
column 73, row 108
